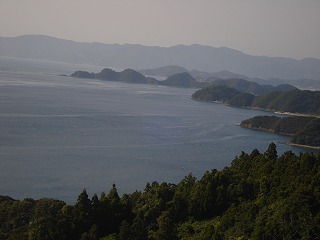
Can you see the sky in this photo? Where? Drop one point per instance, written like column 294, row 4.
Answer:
column 281, row 28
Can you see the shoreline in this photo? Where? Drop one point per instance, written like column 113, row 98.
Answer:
column 287, row 143
column 296, row 114
column 260, row 109
column 301, row 145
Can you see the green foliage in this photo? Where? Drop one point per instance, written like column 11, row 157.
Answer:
column 127, row 75
column 309, row 134
column 305, row 130
column 197, row 230
column 242, row 100
column 246, row 86
column 215, row 93
column 260, row 196
column 294, row 101
column 180, row 80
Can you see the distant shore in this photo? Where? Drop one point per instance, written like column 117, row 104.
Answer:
column 301, row 145
column 296, row 114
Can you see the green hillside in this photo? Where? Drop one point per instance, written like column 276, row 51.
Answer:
column 127, row 75
column 246, row 86
column 305, row 130
column 295, row 101
column 260, row 196
column 180, row 80
column 216, row 93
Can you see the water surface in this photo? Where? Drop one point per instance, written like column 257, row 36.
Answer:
column 59, row 135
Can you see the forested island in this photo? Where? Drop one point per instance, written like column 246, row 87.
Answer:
column 295, row 101
column 260, row 196
column 132, row 76
column 304, row 130
column 182, row 79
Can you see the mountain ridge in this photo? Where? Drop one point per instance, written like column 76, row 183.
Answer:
column 203, row 58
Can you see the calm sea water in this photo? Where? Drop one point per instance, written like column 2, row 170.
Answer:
column 59, row 135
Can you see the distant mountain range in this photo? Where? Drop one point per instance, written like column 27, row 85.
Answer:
column 202, row 58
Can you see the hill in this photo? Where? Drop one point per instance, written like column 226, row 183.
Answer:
column 165, row 71
column 202, row 76
column 132, row 76
column 246, row 86
column 181, row 80
column 215, row 93
column 202, row 58
column 127, row 75
column 294, row 101
column 304, row 130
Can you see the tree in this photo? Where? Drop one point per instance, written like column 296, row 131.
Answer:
column 92, row 234
column 166, row 227
column 271, row 153
column 83, row 212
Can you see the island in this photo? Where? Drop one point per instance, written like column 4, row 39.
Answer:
column 180, row 77
column 127, row 75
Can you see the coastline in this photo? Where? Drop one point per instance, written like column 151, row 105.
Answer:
column 287, row 143
column 259, row 109
column 296, row 114
column 301, row 145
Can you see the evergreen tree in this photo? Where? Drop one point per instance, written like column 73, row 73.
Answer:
column 271, row 153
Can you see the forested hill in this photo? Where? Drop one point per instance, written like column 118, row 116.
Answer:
column 304, row 130
column 183, row 79
column 131, row 76
column 246, row 86
column 295, row 101
column 260, row 196
column 127, row 75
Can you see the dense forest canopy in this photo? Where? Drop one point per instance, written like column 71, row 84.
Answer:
column 305, row 130
column 260, row 196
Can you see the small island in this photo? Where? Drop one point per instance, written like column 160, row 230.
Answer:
column 305, row 131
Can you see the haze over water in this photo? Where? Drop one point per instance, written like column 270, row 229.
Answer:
column 59, row 135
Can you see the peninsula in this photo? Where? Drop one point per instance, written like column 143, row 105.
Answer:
column 296, row 101
column 305, row 131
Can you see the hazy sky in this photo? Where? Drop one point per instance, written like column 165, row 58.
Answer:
column 289, row 28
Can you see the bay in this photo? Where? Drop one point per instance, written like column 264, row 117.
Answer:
column 59, row 135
